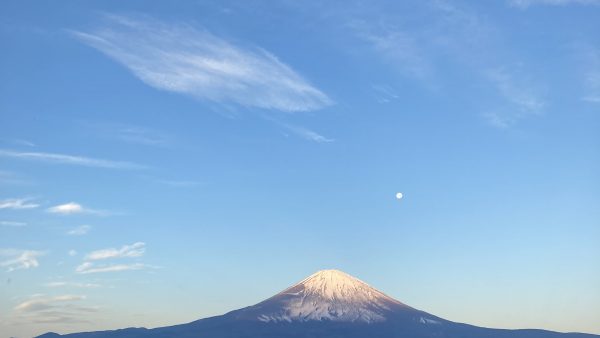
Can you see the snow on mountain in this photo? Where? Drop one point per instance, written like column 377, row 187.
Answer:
column 326, row 295
column 328, row 303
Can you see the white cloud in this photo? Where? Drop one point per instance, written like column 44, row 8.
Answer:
column 67, row 208
column 74, row 208
column 182, row 59
column 57, row 309
column 13, row 224
column 19, row 259
column 42, row 303
column 17, row 203
column 134, row 250
column 80, row 230
column 72, row 253
column 70, row 159
column 308, row 134
column 526, row 3
column 89, row 267
column 69, row 284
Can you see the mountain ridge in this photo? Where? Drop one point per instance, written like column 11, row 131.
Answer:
column 326, row 304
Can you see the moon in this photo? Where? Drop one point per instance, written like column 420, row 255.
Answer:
column 399, row 195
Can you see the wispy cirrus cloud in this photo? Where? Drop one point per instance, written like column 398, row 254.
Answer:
column 397, row 47
column 53, row 309
column 467, row 40
column 307, row 134
column 12, row 224
column 134, row 250
column 591, row 74
column 130, row 133
column 140, row 135
column 385, row 93
column 89, row 267
column 80, row 230
column 182, row 59
column 521, row 98
column 18, row 203
column 72, row 284
column 473, row 40
column 527, row 3
column 69, row 159
column 16, row 259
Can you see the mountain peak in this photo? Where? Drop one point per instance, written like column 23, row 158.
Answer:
column 330, row 295
column 336, row 285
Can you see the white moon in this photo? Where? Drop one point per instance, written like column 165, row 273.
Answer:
column 399, row 196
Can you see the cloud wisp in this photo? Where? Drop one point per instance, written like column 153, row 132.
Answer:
column 591, row 76
column 17, row 203
column 72, row 284
column 13, row 224
column 69, row 159
column 56, row 309
column 520, row 97
column 132, row 134
column 19, row 259
column 80, row 230
column 308, row 134
column 398, row 48
column 134, row 250
column 523, row 4
column 194, row 62
column 467, row 40
column 89, row 267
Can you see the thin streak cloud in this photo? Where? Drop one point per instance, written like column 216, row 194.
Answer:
column 88, row 267
column 12, row 224
column 80, row 230
column 134, row 250
column 185, row 60
column 70, row 159
column 527, row 3
column 17, row 203
column 308, row 134
column 61, row 309
column 71, row 284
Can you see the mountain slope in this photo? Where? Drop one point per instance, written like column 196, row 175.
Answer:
column 327, row 304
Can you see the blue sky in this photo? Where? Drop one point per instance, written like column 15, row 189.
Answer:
column 165, row 162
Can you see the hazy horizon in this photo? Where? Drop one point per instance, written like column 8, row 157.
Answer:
column 169, row 161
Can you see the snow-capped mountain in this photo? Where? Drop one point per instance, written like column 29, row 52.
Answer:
column 327, row 304
column 329, row 295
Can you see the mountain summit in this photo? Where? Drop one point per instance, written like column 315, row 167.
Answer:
column 326, row 295
column 327, row 304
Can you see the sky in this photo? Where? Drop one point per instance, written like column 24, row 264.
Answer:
column 162, row 162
